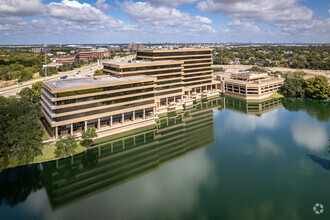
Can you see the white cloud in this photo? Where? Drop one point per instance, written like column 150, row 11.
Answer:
column 310, row 135
column 291, row 17
column 265, row 10
column 161, row 16
column 9, row 23
column 243, row 25
column 21, row 7
column 102, row 5
column 172, row 3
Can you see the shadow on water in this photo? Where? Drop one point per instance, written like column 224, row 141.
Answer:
column 324, row 163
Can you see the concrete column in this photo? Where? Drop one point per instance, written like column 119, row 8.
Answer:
column 98, row 123
column 133, row 115
column 111, row 121
column 123, row 144
column 144, row 137
column 99, row 151
column 144, row 113
column 154, row 111
column 85, row 125
column 174, row 99
column 71, row 132
column 122, row 118
column 56, row 132
column 166, row 101
column 134, row 140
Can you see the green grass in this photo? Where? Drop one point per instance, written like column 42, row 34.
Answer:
column 48, row 153
column 276, row 95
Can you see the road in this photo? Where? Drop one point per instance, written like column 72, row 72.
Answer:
column 83, row 72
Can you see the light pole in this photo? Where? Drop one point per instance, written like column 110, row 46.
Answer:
column 45, row 63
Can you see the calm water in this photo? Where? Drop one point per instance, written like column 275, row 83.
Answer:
column 221, row 159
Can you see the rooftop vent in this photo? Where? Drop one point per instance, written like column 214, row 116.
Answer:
column 97, row 78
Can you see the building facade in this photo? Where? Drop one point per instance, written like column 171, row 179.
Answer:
column 67, row 60
column 106, row 103
column 168, row 73
column 88, row 56
column 197, row 71
column 252, row 86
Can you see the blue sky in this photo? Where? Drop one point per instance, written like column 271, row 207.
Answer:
column 158, row 21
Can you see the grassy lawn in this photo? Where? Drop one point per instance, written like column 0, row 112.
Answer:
column 276, row 95
column 47, row 154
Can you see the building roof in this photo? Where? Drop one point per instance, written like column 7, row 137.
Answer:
column 177, row 50
column 256, row 83
column 91, row 81
column 141, row 62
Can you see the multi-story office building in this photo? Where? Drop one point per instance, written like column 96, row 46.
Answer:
column 109, row 104
column 168, row 86
column 142, row 88
column 197, row 71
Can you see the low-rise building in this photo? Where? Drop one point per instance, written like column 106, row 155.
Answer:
column 251, row 86
column 88, row 56
column 67, row 60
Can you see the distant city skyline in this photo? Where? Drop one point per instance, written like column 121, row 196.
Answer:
column 156, row 21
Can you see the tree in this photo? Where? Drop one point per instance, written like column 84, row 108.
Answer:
column 97, row 73
column 66, row 146
column 225, row 61
column 293, row 85
column 32, row 95
column 87, row 137
column 20, row 129
column 317, row 88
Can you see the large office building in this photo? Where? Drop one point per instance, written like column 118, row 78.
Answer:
column 141, row 89
column 168, row 73
column 107, row 103
column 197, row 71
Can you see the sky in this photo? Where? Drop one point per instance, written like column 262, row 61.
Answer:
column 160, row 21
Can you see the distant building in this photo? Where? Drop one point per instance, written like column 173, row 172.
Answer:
column 136, row 46
column 34, row 75
column 8, row 82
column 115, row 48
column 68, row 60
column 88, row 56
column 40, row 49
column 60, row 53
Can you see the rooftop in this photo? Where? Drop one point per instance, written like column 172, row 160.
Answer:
column 257, row 82
column 87, row 81
column 140, row 62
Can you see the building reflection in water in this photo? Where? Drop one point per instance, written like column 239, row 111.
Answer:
column 128, row 156
column 252, row 107
column 122, row 157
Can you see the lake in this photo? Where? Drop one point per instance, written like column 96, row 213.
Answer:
column 220, row 159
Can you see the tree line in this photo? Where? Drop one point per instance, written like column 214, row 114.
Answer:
column 300, row 57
